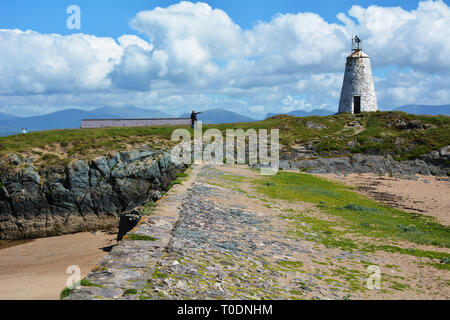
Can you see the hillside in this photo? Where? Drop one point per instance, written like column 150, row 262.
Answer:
column 6, row 116
column 401, row 135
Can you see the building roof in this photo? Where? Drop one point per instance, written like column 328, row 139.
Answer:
column 358, row 54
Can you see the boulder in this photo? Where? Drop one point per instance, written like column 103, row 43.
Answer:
column 445, row 151
column 128, row 220
column 315, row 126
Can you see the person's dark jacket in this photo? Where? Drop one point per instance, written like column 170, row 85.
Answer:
column 194, row 116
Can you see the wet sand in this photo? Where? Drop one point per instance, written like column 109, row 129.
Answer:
column 427, row 195
column 36, row 270
column 11, row 243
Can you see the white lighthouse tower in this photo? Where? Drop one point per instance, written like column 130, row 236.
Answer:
column 358, row 91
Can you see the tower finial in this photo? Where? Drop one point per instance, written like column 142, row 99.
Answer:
column 356, row 43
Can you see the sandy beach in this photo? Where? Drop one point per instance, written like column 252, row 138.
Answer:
column 36, row 270
column 427, row 195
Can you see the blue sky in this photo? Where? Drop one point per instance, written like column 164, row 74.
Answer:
column 111, row 18
column 249, row 56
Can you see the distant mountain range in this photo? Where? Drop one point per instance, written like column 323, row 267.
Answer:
column 425, row 109
column 71, row 118
column 131, row 113
column 216, row 116
column 302, row 113
column 5, row 116
column 412, row 109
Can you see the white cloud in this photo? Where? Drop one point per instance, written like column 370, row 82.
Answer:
column 198, row 28
column 37, row 63
column 188, row 52
column 417, row 38
column 130, row 40
column 413, row 88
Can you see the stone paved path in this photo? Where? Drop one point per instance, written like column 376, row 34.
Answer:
column 211, row 240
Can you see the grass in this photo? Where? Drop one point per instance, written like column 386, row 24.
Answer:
column 353, row 221
column 354, row 278
column 140, row 237
column 73, row 140
column 378, row 135
column 149, row 207
column 441, row 266
column 157, row 274
column 83, row 283
column 413, row 252
column 63, row 146
column 130, row 292
column 359, row 214
column 181, row 176
column 291, row 264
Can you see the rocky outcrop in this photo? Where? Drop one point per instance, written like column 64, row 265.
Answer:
column 315, row 126
column 82, row 196
column 401, row 124
column 436, row 163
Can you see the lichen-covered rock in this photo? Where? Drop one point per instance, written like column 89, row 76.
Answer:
column 83, row 196
column 315, row 126
column 445, row 152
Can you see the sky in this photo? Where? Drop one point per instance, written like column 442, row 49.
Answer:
column 251, row 57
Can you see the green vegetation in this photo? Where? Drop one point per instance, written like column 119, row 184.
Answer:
column 62, row 146
column 378, row 133
column 140, row 237
column 74, row 141
column 149, row 207
column 354, row 278
column 130, row 292
column 83, row 283
column 65, row 293
column 357, row 213
column 374, row 132
column 441, row 266
column 291, row 264
column 181, row 176
column 399, row 286
column 353, row 221
column 157, row 274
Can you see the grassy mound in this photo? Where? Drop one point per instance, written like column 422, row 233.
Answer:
column 343, row 134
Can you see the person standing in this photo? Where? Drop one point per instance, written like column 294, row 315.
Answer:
column 194, row 118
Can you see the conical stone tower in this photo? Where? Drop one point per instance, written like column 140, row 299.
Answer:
column 358, row 91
